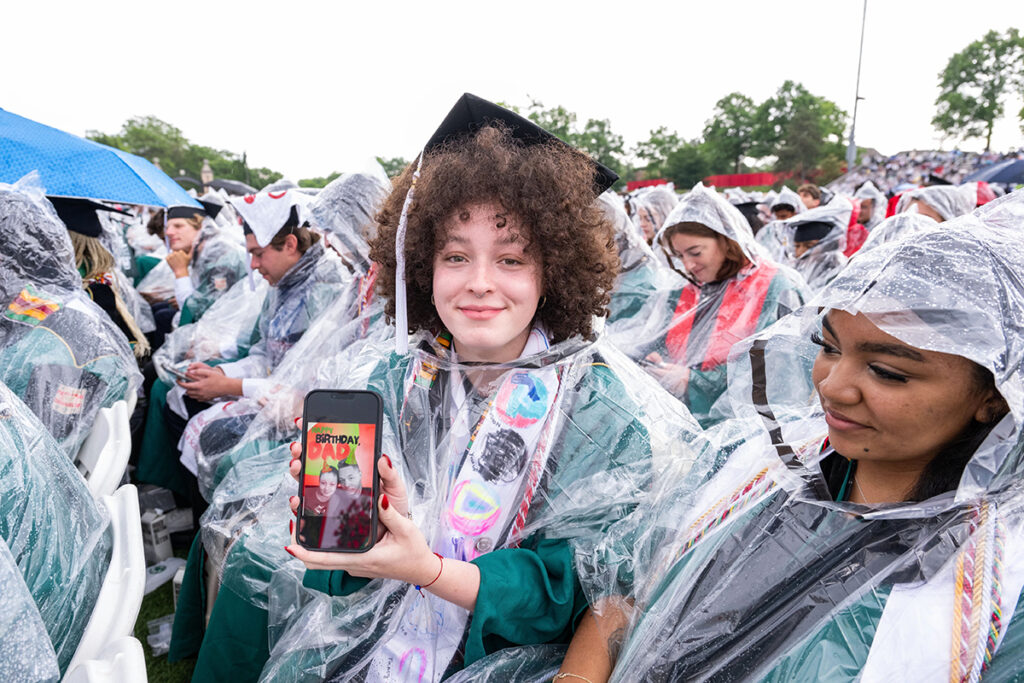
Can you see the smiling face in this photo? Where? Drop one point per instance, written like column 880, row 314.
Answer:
column 181, row 234
column 350, row 479
column 885, row 400
column 487, row 284
column 328, row 483
column 702, row 257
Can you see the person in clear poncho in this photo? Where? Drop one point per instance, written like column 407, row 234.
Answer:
column 775, row 237
column 817, row 240
column 648, row 209
column 304, row 281
column 732, row 290
column 873, row 204
column 868, row 520
column 640, row 274
column 59, row 352
column 59, row 537
column 26, row 653
column 216, row 263
column 940, row 202
column 587, row 418
column 343, row 211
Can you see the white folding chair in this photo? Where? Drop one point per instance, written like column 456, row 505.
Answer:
column 122, row 661
column 117, row 606
column 104, row 454
column 131, row 398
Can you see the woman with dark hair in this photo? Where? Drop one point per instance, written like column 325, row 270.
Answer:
column 734, row 290
column 868, row 521
column 504, row 259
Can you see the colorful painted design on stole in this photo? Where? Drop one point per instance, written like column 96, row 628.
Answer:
column 30, row 307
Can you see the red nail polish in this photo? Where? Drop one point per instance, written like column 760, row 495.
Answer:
column 389, row 461
column 289, row 551
column 298, row 420
column 291, row 527
column 384, row 501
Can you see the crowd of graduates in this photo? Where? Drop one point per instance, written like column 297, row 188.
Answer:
column 666, row 435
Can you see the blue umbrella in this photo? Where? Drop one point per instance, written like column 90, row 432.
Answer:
column 1009, row 172
column 70, row 166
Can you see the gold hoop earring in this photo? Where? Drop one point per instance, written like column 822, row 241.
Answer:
column 432, row 300
column 543, row 300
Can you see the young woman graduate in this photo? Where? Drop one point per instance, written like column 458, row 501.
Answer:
column 868, row 523
column 59, row 352
column 496, row 243
column 732, row 290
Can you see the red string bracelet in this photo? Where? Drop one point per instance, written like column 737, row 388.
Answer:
column 428, row 585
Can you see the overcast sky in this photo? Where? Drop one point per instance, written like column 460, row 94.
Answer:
column 307, row 88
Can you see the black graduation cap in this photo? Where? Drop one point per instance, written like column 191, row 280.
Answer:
column 809, row 231
column 937, row 180
column 184, row 212
column 212, row 208
column 471, row 113
column 79, row 215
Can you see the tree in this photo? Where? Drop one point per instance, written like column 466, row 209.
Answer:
column 771, row 121
column 687, row 165
column 728, row 134
column 393, row 166
column 596, row 137
column 655, row 150
column 975, row 84
column 319, row 181
column 157, row 140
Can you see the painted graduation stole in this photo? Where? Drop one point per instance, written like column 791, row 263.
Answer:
column 490, row 489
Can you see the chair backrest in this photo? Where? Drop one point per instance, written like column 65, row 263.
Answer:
column 104, row 454
column 117, row 606
column 122, row 661
column 131, row 398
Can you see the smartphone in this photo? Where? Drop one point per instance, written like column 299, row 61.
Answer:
column 339, row 484
column 178, row 372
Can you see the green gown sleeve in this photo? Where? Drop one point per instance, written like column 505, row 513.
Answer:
column 527, row 596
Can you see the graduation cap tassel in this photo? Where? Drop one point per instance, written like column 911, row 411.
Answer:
column 401, row 314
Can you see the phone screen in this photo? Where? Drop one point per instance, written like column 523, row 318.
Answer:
column 338, row 475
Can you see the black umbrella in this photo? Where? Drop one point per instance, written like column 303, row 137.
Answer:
column 1009, row 172
column 235, row 187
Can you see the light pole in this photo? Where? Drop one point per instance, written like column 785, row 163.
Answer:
column 851, row 151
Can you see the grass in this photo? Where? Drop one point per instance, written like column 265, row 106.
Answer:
column 158, row 604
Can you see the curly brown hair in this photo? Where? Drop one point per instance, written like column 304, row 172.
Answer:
column 548, row 188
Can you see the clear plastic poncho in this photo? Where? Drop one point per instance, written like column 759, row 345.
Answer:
column 345, row 209
column 223, row 334
column 683, row 334
column 898, row 227
column 587, row 428
column 820, row 264
column 59, row 536
column 59, row 352
column 949, row 201
column 879, row 203
column 26, row 653
column 758, row 574
column 649, row 207
column 218, row 261
column 640, row 273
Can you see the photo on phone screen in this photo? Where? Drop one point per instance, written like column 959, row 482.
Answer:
column 341, row 443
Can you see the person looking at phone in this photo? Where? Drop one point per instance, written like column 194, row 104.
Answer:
column 733, row 290
column 509, row 259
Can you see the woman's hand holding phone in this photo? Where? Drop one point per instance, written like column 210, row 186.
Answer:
column 401, row 553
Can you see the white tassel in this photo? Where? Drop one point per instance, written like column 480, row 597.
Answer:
column 401, row 313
